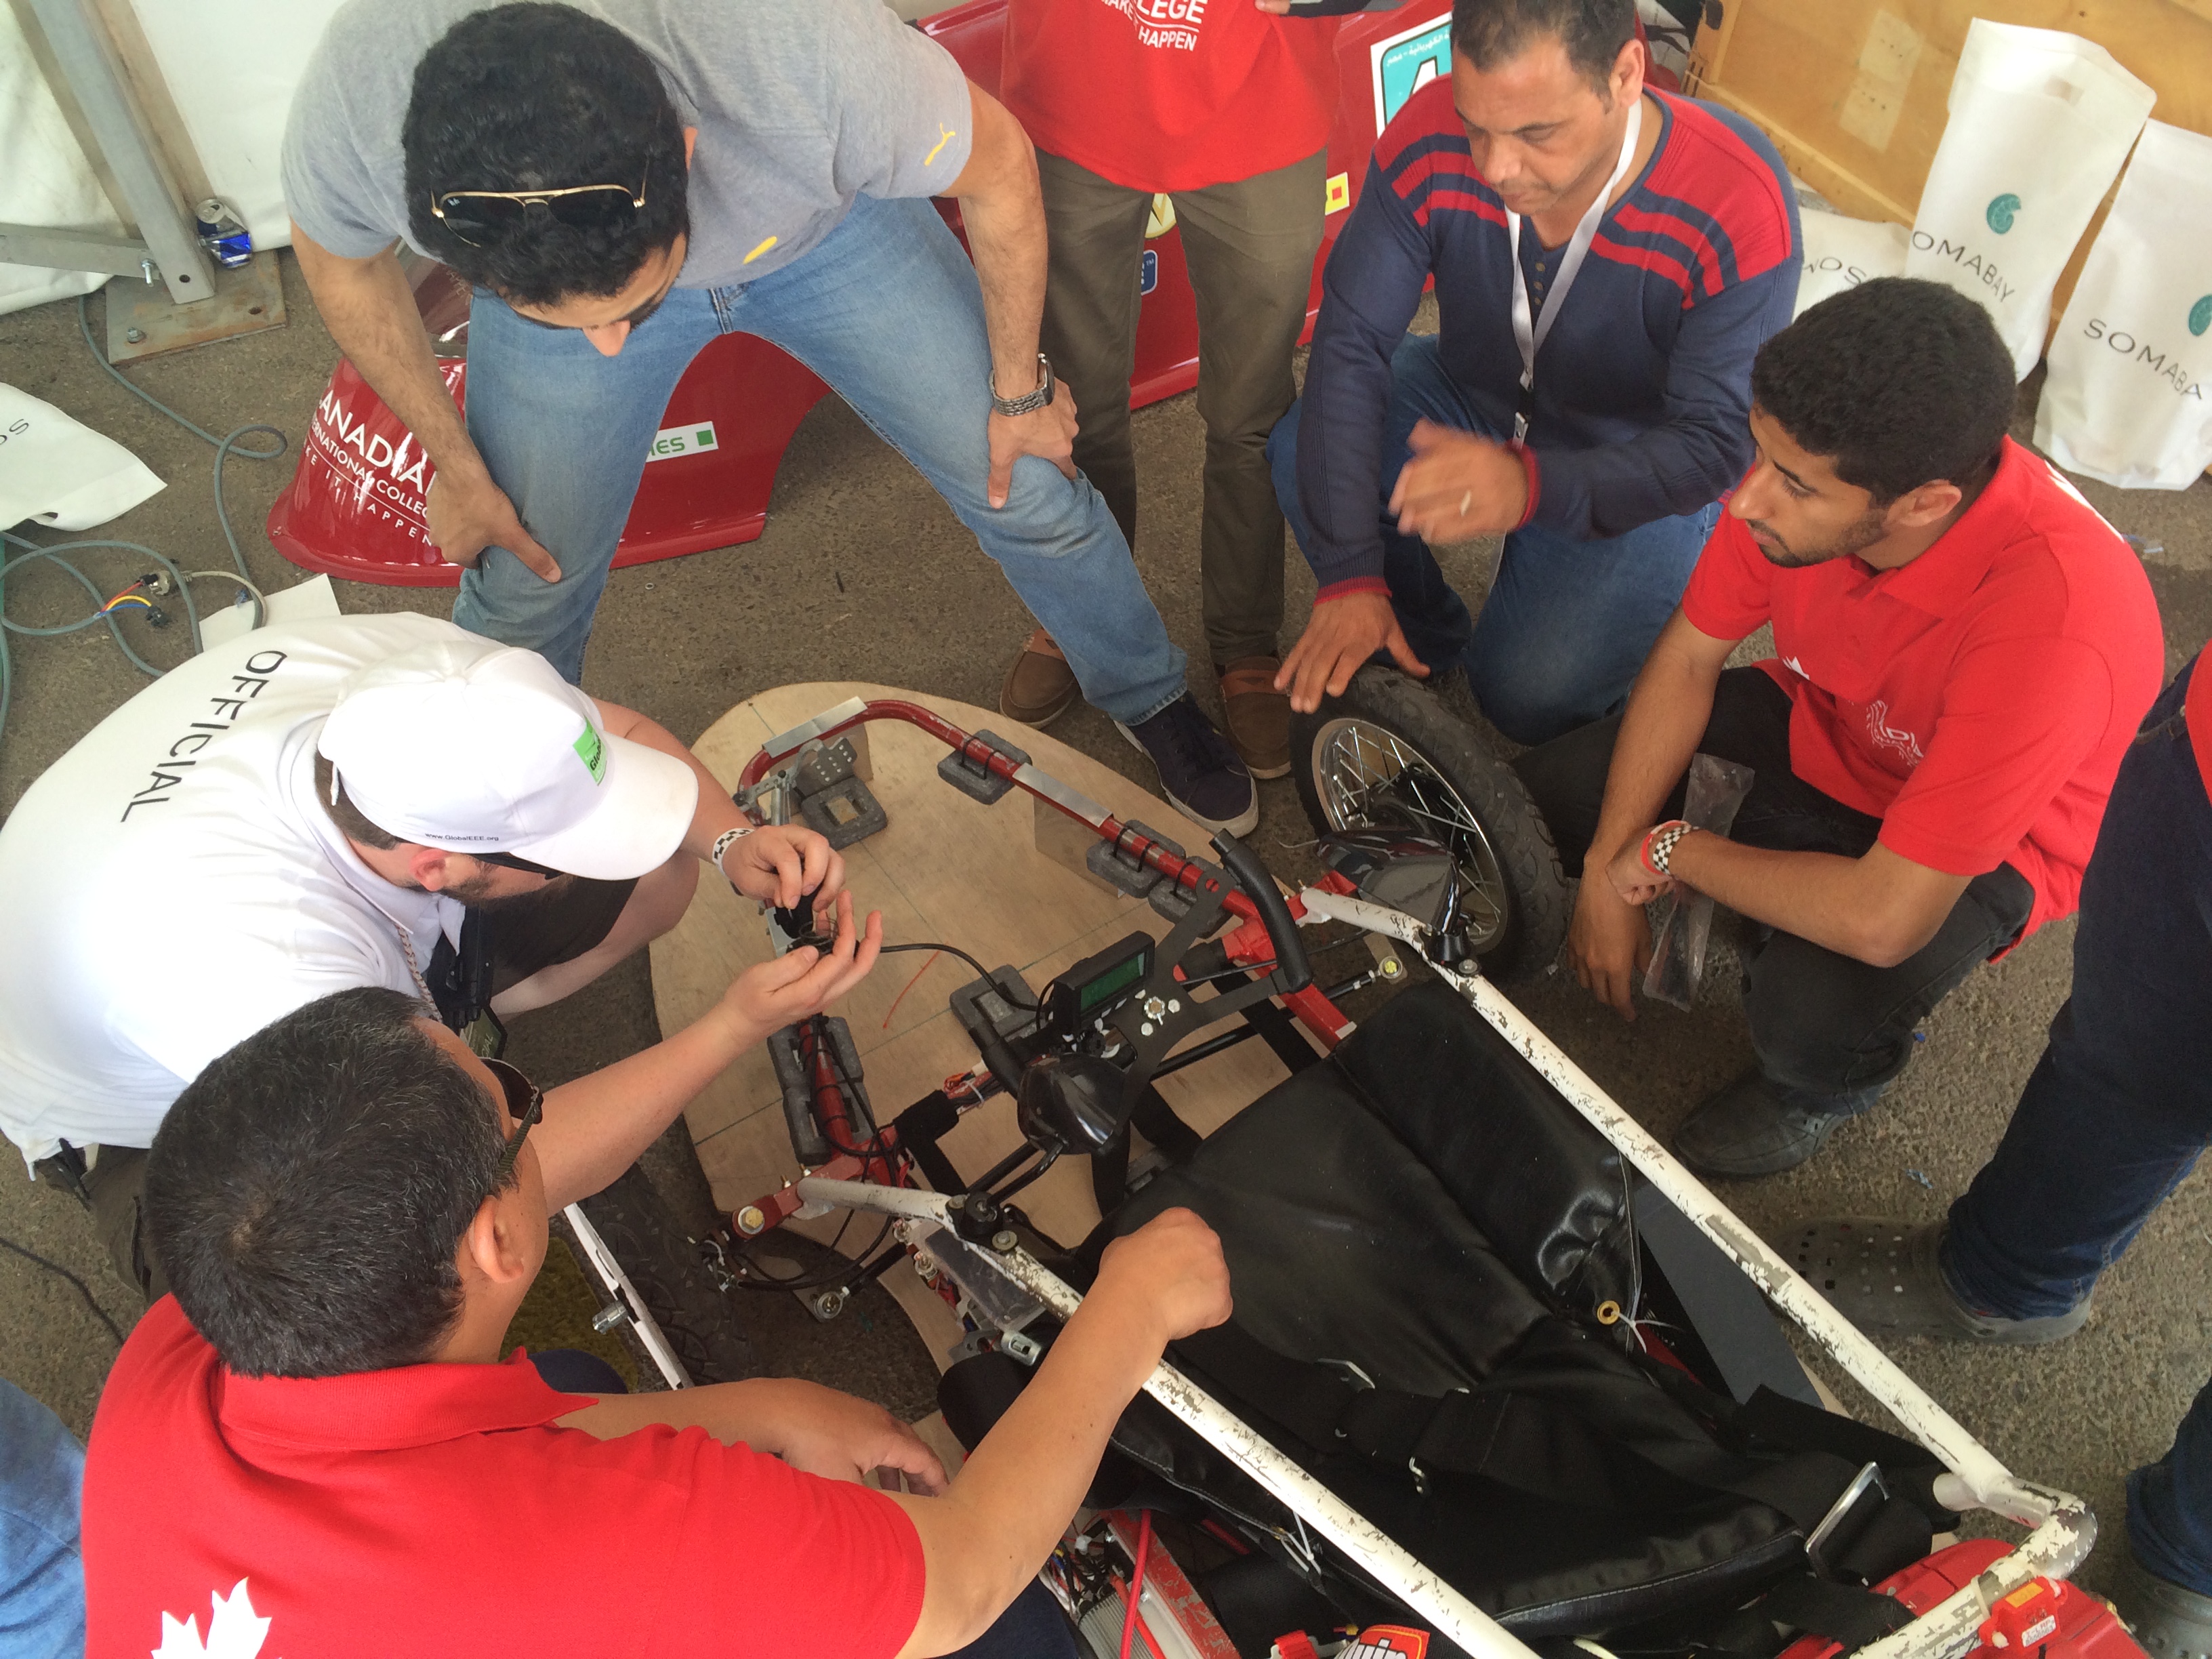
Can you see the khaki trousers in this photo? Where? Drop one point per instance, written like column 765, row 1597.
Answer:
column 1250, row 247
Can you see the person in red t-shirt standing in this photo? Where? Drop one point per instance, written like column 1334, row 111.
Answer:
column 1226, row 105
column 314, row 1446
column 1963, row 649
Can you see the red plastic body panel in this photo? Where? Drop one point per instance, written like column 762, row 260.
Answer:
column 2083, row 1628
column 350, row 514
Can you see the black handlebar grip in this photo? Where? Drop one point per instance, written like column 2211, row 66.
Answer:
column 1293, row 971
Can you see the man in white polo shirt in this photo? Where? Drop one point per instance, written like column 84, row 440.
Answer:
column 371, row 800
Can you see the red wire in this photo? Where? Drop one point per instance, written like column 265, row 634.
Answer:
column 1136, row 1593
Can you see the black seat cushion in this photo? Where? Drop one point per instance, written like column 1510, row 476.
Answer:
column 1425, row 1207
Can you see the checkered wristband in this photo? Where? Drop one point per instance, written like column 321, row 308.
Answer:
column 724, row 841
column 1659, row 842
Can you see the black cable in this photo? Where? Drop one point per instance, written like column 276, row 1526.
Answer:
column 955, row 950
column 83, row 1289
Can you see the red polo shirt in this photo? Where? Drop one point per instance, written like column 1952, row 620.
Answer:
column 1170, row 94
column 437, row 1509
column 1978, row 700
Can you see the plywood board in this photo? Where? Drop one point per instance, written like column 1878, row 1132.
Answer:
column 1854, row 92
column 946, row 869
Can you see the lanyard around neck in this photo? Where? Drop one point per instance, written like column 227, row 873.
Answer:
column 1528, row 332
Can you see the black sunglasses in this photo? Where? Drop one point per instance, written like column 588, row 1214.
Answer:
column 526, row 1103
column 482, row 217
column 509, row 861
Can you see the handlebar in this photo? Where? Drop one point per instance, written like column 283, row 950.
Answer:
column 1293, row 971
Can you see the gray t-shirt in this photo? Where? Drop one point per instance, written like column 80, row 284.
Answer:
column 801, row 104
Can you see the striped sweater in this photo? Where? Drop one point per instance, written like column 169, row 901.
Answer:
column 1643, row 382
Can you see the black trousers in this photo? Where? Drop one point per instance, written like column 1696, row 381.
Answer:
column 1825, row 1024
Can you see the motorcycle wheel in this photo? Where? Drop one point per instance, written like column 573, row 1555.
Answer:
column 1387, row 754
column 696, row 1315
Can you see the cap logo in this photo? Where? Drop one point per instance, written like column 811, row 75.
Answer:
column 592, row 752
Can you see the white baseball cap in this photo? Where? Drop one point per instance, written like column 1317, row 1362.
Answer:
column 472, row 746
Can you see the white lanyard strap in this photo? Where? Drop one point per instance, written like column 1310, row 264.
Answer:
column 1528, row 332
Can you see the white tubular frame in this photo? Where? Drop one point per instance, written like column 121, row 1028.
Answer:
column 1379, row 1555
column 2062, row 1528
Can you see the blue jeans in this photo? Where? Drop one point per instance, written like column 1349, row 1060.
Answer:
column 1567, row 624
column 887, row 311
column 2119, row 1106
column 1033, row 1627
column 41, row 1491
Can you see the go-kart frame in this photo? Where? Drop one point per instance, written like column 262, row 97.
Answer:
column 2061, row 1528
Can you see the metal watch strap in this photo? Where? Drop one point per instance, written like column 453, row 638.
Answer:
column 1029, row 400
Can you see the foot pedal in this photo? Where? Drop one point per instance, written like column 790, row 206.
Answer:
column 1116, row 863
column 967, row 772
column 833, row 799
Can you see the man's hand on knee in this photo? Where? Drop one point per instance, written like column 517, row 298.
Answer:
column 1609, row 944
column 1458, row 486
column 779, row 862
column 1047, row 433
column 1341, row 636
column 466, row 518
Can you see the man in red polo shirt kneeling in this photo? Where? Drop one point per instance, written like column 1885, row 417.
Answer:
column 311, row 1447
column 1963, row 650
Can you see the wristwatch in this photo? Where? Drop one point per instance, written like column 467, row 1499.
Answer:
column 1027, row 401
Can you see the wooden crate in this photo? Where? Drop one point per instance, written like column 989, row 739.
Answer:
column 1853, row 92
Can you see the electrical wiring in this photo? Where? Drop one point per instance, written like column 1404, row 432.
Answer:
column 18, row 552
column 955, row 950
column 83, row 1289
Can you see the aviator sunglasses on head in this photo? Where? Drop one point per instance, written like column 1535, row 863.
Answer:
column 481, row 217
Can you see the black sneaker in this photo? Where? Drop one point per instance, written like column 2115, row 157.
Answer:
column 1755, row 1128
column 1200, row 773
column 2169, row 1622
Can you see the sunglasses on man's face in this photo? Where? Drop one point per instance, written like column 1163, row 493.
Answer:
column 483, row 217
column 525, row 1103
column 509, row 861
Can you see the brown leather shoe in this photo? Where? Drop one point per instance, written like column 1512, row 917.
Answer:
column 1040, row 684
column 1256, row 716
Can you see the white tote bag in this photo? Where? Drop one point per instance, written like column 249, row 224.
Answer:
column 2127, row 400
column 2039, row 123
column 1841, row 253
column 54, row 471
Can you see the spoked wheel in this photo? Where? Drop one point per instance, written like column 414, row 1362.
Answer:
column 1386, row 755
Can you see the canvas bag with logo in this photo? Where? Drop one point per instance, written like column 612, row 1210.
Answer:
column 2039, row 123
column 1840, row 253
column 2127, row 398
column 58, row 472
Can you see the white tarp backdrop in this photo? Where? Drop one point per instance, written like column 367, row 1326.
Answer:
column 2039, row 123
column 2126, row 398
column 229, row 66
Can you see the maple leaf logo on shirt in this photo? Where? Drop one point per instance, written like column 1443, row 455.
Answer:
column 234, row 1630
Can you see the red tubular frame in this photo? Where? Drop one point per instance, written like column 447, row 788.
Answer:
column 1247, row 946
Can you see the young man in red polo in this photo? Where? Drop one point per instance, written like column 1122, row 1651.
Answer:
column 1963, row 650
column 312, row 1447
column 1226, row 105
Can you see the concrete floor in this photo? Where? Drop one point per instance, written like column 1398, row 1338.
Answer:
column 863, row 572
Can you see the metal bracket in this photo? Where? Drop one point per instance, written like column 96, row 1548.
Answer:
column 88, row 60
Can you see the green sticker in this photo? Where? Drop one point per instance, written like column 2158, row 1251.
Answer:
column 1999, row 211
column 592, row 752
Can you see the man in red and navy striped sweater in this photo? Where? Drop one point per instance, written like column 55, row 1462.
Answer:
column 1591, row 405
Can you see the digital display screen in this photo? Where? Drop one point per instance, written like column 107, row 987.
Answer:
column 1116, row 979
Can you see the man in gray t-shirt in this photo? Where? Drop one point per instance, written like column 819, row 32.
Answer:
column 623, row 180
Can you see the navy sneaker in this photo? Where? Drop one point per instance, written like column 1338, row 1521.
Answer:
column 1200, row 773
